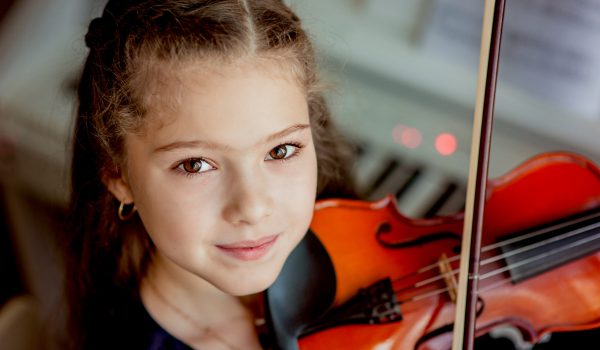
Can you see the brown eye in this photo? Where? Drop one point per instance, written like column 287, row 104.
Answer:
column 278, row 152
column 282, row 152
column 194, row 166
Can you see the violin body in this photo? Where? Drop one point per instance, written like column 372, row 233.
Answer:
column 549, row 290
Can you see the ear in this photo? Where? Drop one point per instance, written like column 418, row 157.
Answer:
column 119, row 187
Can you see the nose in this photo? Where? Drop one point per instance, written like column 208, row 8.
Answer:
column 249, row 199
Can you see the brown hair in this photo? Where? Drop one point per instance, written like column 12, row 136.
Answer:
column 106, row 257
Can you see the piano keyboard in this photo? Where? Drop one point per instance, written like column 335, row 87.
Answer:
column 420, row 191
column 425, row 182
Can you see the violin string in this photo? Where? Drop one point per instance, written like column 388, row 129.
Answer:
column 539, row 256
column 522, row 262
column 541, row 243
column 514, row 252
column 427, row 294
column 487, row 261
column 484, row 262
column 444, row 290
column 500, row 244
column 505, row 242
column 506, row 268
column 494, row 285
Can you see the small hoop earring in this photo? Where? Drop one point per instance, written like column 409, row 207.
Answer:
column 126, row 216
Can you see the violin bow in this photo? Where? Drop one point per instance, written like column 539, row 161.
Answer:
column 466, row 305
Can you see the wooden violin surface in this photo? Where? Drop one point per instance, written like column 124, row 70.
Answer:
column 540, row 267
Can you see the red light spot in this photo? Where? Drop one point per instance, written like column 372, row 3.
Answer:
column 407, row 136
column 445, row 144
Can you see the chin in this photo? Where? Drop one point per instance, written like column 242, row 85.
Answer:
column 253, row 280
column 248, row 289
column 251, row 284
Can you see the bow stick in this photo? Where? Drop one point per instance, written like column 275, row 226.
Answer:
column 466, row 305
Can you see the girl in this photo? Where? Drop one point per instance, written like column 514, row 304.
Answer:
column 201, row 142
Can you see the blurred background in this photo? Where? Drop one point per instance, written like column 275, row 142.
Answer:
column 402, row 75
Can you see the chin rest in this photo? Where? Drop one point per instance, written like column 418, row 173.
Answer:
column 304, row 291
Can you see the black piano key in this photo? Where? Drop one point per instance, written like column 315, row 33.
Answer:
column 435, row 207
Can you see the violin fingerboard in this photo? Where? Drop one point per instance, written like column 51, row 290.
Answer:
column 530, row 257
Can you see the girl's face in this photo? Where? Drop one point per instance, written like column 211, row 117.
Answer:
column 225, row 183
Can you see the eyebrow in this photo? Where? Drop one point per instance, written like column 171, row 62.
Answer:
column 216, row 146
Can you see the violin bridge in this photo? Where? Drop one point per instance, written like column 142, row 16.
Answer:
column 448, row 275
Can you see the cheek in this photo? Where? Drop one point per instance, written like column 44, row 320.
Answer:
column 298, row 188
column 174, row 210
column 178, row 230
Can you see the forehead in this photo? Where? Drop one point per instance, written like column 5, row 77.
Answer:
column 224, row 102
column 158, row 85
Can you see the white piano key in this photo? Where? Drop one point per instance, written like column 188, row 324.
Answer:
column 368, row 168
column 455, row 202
column 422, row 192
column 395, row 180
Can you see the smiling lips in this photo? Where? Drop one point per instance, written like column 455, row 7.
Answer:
column 249, row 250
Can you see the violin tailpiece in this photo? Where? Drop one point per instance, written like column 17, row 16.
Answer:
column 375, row 304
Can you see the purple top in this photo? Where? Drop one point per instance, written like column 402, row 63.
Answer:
column 156, row 338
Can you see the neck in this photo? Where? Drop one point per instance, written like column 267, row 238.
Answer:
column 186, row 291
column 190, row 308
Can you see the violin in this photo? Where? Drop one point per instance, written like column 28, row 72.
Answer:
column 368, row 277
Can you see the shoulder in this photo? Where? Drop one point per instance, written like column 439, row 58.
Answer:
column 131, row 327
column 154, row 337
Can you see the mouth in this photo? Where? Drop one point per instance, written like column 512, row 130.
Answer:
column 249, row 250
